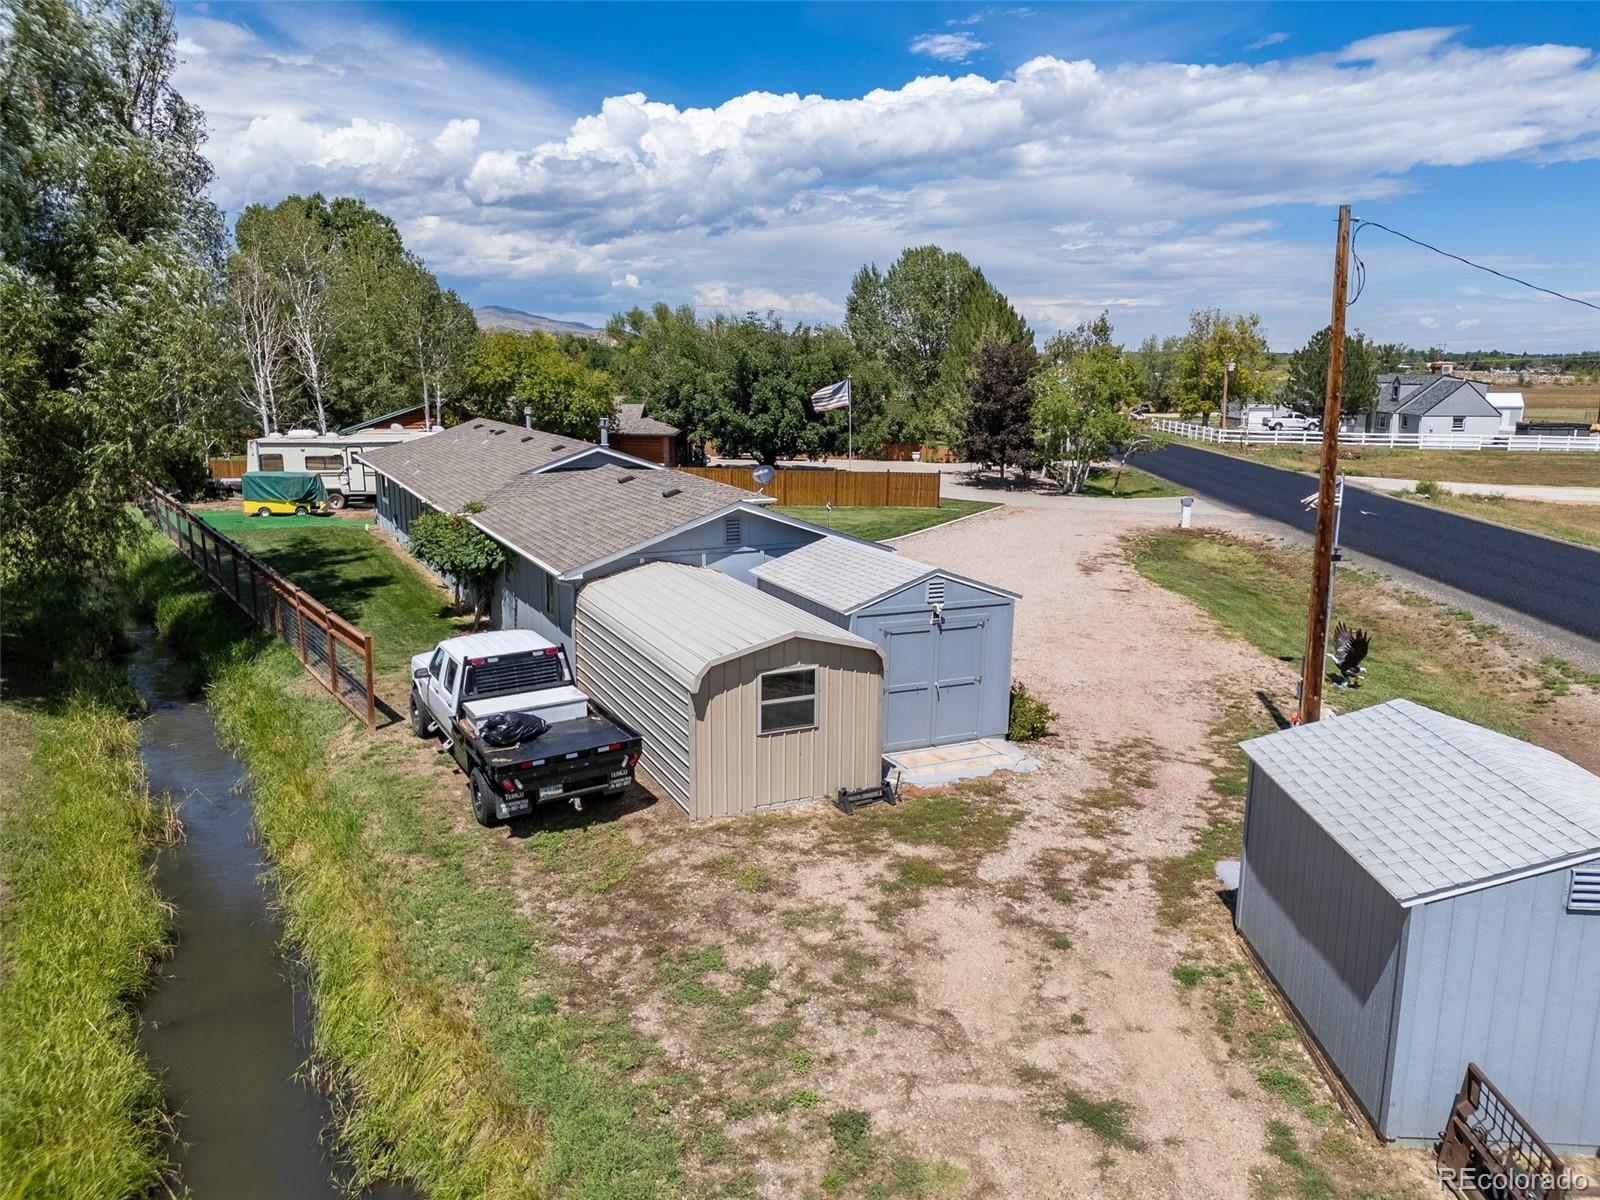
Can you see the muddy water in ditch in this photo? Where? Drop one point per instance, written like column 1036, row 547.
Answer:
column 225, row 1025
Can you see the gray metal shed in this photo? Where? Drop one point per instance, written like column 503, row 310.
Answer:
column 946, row 639
column 744, row 702
column 1426, row 893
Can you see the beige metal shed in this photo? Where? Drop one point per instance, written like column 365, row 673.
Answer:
column 744, row 702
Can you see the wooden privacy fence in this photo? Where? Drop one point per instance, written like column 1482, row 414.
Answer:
column 334, row 652
column 226, row 468
column 842, row 489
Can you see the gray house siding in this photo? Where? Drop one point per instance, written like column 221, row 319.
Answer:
column 529, row 598
column 1507, row 978
column 1325, row 931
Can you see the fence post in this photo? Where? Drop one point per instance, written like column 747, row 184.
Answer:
column 366, row 653
column 333, row 661
column 300, row 627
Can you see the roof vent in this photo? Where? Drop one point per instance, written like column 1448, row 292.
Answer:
column 624, row 478
column 558, row 446
column 497, row 432
column 672, row 491
column 935, row 591
column 479, row 425
column 527, row 437
column 732, row 535
column 1584, row 895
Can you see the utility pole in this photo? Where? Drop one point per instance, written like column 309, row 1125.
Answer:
column 1314, row 667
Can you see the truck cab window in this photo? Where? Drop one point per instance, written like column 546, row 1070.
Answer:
column 437, row 664
column 450, row 678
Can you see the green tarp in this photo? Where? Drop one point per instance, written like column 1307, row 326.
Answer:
column 287, row 487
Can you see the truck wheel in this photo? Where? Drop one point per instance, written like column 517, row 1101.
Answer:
column 336, row 500
column 419, row 720
column 482, row 801
column 263, row 511
column 301, row 510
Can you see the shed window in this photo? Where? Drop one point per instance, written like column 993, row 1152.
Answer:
column 1458, row 424
column 272, row 462
column 324, row 462
column 1584, row 894
column 731, row 534
column 788, row 700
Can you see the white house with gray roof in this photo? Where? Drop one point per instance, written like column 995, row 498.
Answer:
column 1433, row 404
column 1426, row 893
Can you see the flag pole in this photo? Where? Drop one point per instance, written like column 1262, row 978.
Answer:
column 850, row 419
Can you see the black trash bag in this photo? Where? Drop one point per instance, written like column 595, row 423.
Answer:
column 512, row 728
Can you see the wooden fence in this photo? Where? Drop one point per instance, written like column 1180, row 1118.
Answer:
column 334, row 652
column 842, row 489
column 230, row 467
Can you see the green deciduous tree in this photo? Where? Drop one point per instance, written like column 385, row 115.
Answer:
column 452, row 545
column 1214, row 340
column 109, row 250
column 666, row 361
column 997, row 429
column 1080, row 412
column 1306, row 388
column 507, row 370
column 907, row 318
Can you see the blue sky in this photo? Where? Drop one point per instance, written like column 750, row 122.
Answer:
column 574, row 159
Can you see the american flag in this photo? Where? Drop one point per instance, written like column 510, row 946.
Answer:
column 835, row 395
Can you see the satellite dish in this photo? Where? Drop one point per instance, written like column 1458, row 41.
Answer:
column 763, row 476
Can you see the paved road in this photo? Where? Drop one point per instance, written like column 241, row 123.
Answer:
column 1548, row 580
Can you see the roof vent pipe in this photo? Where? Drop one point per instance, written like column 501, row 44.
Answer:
column 605, row 431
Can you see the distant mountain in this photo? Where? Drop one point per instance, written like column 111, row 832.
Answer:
column 492, row 316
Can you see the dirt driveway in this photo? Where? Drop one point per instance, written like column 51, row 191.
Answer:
column 973, row 993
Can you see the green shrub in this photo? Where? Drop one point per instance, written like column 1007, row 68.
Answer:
column 1428, row 489
column 1030, row 716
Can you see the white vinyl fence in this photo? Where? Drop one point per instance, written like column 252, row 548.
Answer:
column 1410, row 441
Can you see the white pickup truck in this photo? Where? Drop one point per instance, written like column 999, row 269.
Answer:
column 463, row 684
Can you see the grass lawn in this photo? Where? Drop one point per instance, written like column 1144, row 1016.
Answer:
column 1578, row 523
column 1462, row 466
column 358, row 574
column 1133, row 484
column 1554, row 402
column 877, row 524
column 1421, row 650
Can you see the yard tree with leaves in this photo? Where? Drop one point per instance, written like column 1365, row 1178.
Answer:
column 109, row 259
column 997, row 430
column 506, row 371
column 1306, row 389
column 1214, row 339
column 1080, row 413
column 456, row 548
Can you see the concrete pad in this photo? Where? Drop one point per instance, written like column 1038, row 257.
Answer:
column 939, row 765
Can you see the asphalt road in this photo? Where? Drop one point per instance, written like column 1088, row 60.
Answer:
column 1550, row 581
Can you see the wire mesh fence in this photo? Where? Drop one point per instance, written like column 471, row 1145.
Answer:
column 334, row 652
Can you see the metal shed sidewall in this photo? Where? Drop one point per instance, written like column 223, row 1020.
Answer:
column 630, row 684
column 740, row 770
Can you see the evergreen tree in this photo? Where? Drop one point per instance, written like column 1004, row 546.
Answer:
column 1306, row 389
column 997, row 428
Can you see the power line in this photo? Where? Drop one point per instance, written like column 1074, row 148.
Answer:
column 1361, row 270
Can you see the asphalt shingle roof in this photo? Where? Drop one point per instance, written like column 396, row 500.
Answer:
column 569, row 519
column 844, row 576
column 632, row 421
column 687, row 619
column 470, row 460
column 1430, row 804
column 1430, row 391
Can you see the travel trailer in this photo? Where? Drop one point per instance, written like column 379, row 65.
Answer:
column 332, row 457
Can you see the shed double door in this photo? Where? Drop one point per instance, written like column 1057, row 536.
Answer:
column 933, row 679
